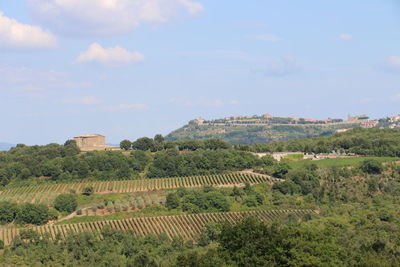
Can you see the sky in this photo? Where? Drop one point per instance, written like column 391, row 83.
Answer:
column 133, row 68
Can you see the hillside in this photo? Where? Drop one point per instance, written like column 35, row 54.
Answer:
column 265, row 128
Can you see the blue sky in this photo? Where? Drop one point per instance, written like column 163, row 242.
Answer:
column 132, row 68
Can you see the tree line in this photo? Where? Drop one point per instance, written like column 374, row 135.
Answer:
column 62, row 163
column 368, row 142
column 158, row 143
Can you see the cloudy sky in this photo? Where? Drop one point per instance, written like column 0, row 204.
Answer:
column 132, row 68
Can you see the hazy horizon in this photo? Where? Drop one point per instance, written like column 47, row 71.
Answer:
column 127, row 69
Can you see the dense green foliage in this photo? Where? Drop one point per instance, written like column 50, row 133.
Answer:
column 358, row 225
column 64, row 163
column 195, row 201
column 66, row 202
column 24, row 164
column 87, row 191
column 314, row 242
column 358, row 220
column 25, row 213
column 368, row 142
column 253, row 134
column 8, row 212
column 201, row 162
column 159, row 143
column 300, row 181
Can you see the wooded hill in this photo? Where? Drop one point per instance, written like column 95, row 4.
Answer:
column 367, row 142
column 251, row 134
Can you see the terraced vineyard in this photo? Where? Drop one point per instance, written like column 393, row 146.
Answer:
column 47, row 193
column 186, row 226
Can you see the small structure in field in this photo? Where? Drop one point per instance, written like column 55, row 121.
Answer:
column 93, row 142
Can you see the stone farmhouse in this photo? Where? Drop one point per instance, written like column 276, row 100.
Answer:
column 93, row 142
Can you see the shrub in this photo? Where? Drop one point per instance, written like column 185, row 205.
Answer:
column 371, row 166
column 79, row 212
column 53, row 214
column 172, row 201
column 66, row 202
column 87, row 191
column 8, row 211
column 148, row 201
column 1, row 244
column 280, row 169
column 250, row 201
column 32, row 214
column 140, row 203
column 133, row 203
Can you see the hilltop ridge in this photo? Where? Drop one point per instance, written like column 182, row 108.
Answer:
column 267, row 128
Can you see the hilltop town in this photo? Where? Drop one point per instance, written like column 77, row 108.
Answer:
column 267, row 119
column 267, row 128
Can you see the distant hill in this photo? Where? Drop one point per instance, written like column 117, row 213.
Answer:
column 5, row 146
column 266, row 128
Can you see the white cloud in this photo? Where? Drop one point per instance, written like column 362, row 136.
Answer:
column 345, row 37
column 112, row 57
column 283, row 67
column 125, row 107
column 14, row 34
column 391, row 64
column 267, row 37
column 102, row 17
column 89, row 100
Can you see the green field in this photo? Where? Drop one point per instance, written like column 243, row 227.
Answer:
column 339, row 162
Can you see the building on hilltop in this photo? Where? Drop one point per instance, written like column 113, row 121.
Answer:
column 394, row 118
column 93, row 142
column 369, row 124
column 199, row 121
column 357, row 118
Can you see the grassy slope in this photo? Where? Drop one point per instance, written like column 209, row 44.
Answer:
column 339, row 162
column 150, row 211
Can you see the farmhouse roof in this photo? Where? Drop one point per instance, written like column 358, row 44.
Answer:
column 89, row 135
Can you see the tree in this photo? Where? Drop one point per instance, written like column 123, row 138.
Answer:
column 159, row 138
column 32, row 214
column 4, row 178
column 236, row 192
column 172, row 201
column 69, row 142
column 214, row 144
column 70, row 148
column 253, row 243
column 87, row 191
column 268, row 160
column 125, row 144
column 280, row 169
column 8, row 211
column 144, row 144
column 371, row 166
column 66, row 202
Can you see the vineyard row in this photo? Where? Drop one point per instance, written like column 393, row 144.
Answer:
column 47, row 193
column 187, row 227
